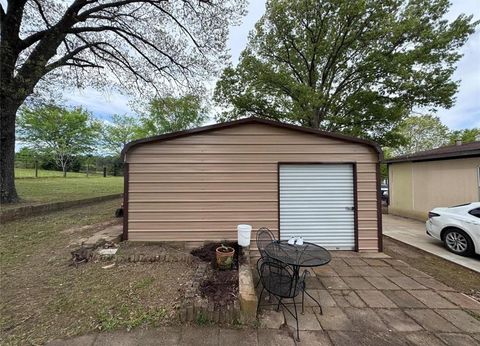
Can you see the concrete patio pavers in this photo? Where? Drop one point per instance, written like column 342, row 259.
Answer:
column 384, row 301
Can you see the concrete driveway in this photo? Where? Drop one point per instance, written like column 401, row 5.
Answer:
column 412, row 232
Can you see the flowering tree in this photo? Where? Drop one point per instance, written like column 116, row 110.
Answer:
column 139, row 45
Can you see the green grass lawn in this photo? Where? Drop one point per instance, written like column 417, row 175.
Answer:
column 49, row 190
column 45, row 298
column 21, row 173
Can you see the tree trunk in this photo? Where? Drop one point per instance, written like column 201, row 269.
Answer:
column 8, row 110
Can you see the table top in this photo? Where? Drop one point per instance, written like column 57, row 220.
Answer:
column 306, row 255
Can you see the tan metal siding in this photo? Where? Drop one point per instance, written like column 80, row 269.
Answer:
column 200, row 187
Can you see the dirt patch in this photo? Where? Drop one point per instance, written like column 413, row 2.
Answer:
column 221, row 287
column 451, row 274
column 207, row 253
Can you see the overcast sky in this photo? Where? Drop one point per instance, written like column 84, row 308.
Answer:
column 464, row 114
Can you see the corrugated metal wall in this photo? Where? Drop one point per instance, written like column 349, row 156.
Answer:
column 317, row 203
column 199, row 187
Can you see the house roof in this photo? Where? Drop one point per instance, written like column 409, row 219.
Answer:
column 454, row 151
column 252, row 120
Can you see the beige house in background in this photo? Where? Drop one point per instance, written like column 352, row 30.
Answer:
column 440, row 177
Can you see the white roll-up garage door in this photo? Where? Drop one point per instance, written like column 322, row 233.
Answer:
column 317, row 203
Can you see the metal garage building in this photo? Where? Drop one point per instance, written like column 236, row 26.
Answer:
column 197, row 185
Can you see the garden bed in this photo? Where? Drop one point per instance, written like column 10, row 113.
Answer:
column 213, row 294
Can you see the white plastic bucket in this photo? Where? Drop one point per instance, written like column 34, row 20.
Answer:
column 244, row 232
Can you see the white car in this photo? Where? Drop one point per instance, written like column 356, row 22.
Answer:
column 458, row 227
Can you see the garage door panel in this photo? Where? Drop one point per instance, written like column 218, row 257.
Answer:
column 316, row 203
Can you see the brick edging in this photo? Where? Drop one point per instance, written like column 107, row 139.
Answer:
column 31, row 210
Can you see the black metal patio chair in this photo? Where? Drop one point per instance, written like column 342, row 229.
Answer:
column 280, row 281
column 264, row 237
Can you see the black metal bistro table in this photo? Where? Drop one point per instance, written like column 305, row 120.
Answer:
column 298, row 256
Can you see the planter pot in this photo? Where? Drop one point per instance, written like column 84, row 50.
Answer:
column 224, row 257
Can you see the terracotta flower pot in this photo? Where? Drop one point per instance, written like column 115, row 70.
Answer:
column 224, row 256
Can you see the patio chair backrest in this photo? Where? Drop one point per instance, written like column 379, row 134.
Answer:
column 279, row 279
column 264, row 237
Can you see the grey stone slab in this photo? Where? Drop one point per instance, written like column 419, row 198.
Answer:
column 355, row 261
column 397, row 320
column 307, row 321
column 432, row 299
column 404, row 299
column 83, row 340
column 423, row 339
column 334, row 283
column 412, row 272
column 314, row 338
column 461, row 320
column 365, row 319
column 366, row 338
column 461, row 300
column 455, row 339
column 382, row 283
column 347, row 298
column 375, row 299
column 312, row 282
column 353, row 299
column 346, row 271
column 431, row 321
column 324, row 298
column 388, row 271
column 376, row 262
column 335, row 319
column 241, row 337
column 336, row 262
column 406, row 283
column 160, row 336
column 357, row 283
column 270, row 337
column 395, row 262
column 433, row 284
column 340, row 300
column 199, row 336
column 271, row 319
column 324, row 271
column 366, row 271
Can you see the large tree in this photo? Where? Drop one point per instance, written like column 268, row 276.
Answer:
column 132, row 43
column 170, row 114
column 419, row 133
column 121, row 130
column 59, row 132
column 352, row 66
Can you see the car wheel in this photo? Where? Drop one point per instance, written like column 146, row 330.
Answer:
column 457, row 241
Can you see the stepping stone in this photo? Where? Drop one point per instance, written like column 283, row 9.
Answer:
column 313, row 338
column 335, row 319
column 398, row 320
column 239, row 337
column 461, row 319
column 432, row 299
column 404, row 299
column 431, row 321
column 334, row 283
column 375, row 299
column 461, row 300
column 407, row 283
column 365, row 319
column 423, row 339
column 357, row 283
column 453, row 339
column 382, row 283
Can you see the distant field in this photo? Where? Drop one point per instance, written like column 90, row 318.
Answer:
column 54, row 189
column 30, row 173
